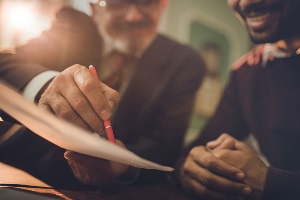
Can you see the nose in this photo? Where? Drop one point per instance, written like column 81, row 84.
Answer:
column 133, row 14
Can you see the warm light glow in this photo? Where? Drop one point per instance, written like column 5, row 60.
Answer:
column 1, row 119
column 24, row 20
column 22, row 17
column 102, row 3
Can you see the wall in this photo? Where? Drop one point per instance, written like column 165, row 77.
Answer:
column 214, row 13
column 195, row 22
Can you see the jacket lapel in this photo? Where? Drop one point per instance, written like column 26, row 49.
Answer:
column 144, row 89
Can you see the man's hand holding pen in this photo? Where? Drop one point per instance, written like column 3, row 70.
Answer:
column 76, row 96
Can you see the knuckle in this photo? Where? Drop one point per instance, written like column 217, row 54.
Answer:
column 76, row 68
column 59, row 81
column 224, row 136
column 210, row 162
column 221, row 154
column 87, row 85
column 42, row 100
column 194, row 153
column 64, row 113
column 79, row 104
column 48, row 97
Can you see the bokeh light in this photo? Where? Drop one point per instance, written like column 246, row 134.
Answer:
column 22, row 18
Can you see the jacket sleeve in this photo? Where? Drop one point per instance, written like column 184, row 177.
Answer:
column 16, row 72
column 282, row 184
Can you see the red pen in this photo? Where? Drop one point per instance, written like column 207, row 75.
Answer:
column 107, row 125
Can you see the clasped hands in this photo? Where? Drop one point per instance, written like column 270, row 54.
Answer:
column 76, row 96
column 223, row 169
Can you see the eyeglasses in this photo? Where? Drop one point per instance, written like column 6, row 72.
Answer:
column 120, row 7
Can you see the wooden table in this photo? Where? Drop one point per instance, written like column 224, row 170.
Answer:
column 13, row 179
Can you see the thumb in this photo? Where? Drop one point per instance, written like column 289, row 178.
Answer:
column 225, row 141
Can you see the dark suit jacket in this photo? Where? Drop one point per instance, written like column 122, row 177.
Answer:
column 154, row 111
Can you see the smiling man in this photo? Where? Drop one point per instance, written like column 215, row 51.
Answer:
column 262, row 97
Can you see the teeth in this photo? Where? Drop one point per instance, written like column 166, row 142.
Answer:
column 259, row 17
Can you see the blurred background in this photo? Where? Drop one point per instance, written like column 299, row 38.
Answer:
column 210, row 27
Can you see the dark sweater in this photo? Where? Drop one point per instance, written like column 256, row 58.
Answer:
column 265, row 101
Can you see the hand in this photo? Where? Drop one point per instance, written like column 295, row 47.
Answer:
column 76, row 96
column 209, row 177
column 95, row 171
column 243, row 157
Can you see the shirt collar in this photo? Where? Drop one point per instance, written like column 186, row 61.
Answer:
column 272, row 51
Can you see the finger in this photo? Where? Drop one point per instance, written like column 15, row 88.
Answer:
column 193, row 186
column 207, row 160
column 78, row 104
column 80, row 173
column 45, row 107
column 111, row 95
column 81, row 105
column 228, row 143
column 120, row 143
column 215, row 143
column 62, row 109
column 74, row 156
column 92, row 90
column 90, row 170
column 84, row 160
column 243, row 147
column 75, row 169
column 217, row 183
column 209, row 194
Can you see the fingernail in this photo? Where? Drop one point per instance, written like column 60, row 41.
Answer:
column 247, row 190
column 240, row 176
column 105, row 114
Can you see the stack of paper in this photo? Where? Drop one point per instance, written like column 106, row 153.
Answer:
column 65, row 134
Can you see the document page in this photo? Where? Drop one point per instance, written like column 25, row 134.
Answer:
column 67, row 135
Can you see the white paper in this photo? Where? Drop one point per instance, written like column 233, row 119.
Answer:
column 66, row 135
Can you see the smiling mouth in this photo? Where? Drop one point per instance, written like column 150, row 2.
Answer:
column 260, row 9
column 258, row 16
